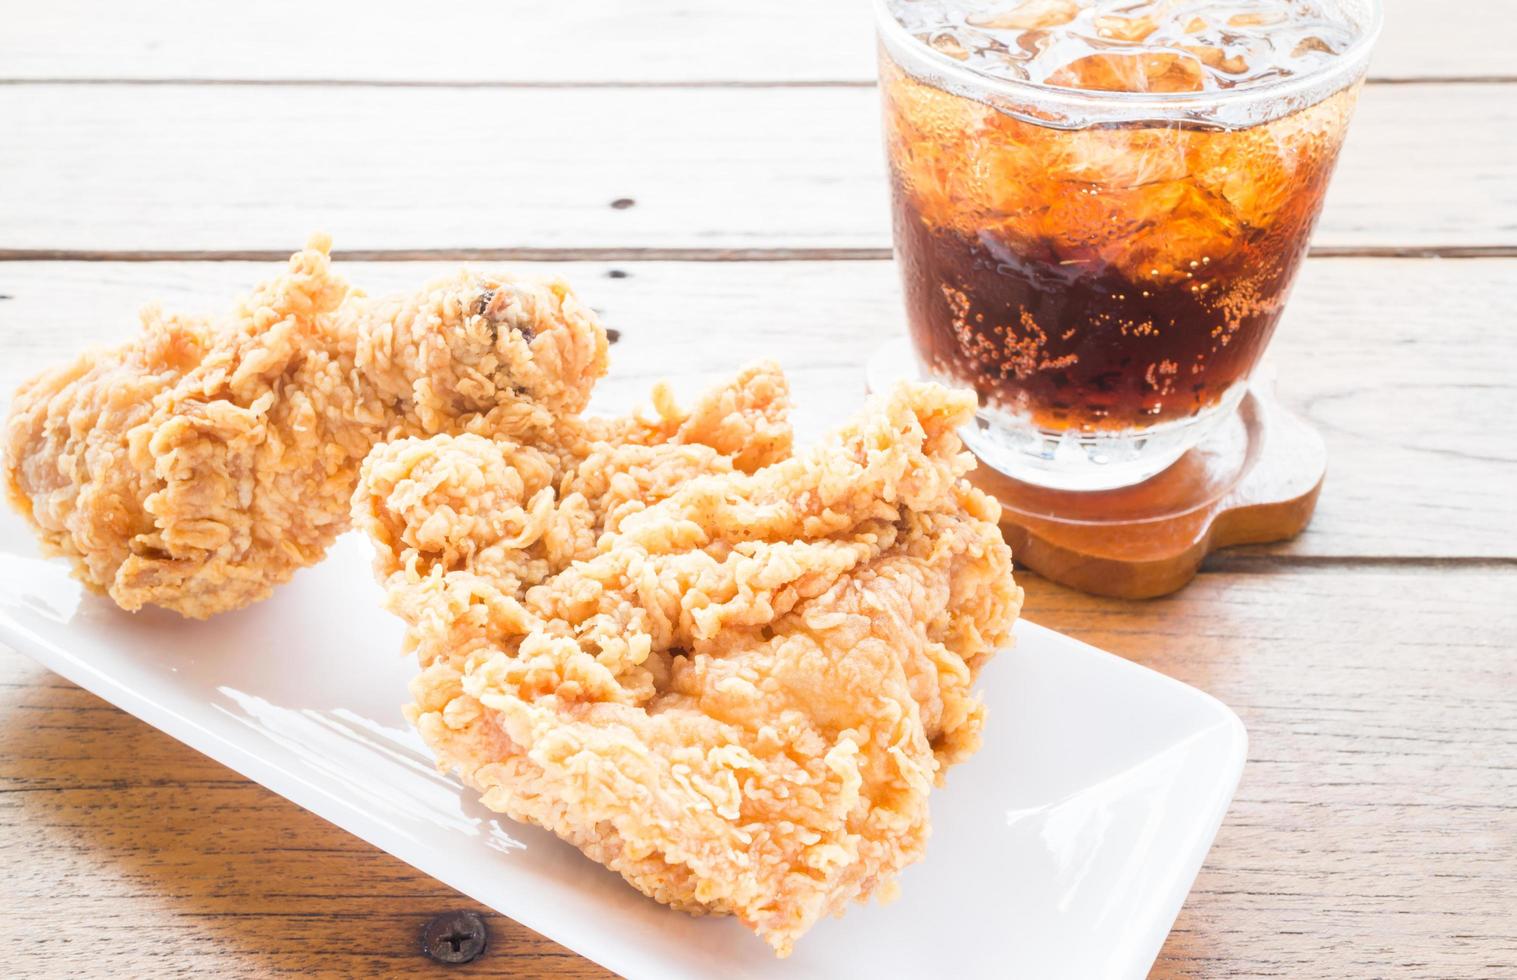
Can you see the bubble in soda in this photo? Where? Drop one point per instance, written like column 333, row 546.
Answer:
column 1159, row 46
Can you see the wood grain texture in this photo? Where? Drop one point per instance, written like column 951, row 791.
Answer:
column 196, row 167
column 1391, row 359
column 169, row 864
column 1374, row 832
column 1375, row 829
column 595, row 41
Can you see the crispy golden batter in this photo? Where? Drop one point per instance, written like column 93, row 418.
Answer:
column 734, row 689
column 200, row 465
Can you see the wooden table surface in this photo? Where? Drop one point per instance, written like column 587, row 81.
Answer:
column 154, row 150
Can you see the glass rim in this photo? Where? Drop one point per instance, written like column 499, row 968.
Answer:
column 1102, row 106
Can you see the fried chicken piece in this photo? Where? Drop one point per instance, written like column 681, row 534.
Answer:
column 746, row 420
column 739, row 694
column 204, row 462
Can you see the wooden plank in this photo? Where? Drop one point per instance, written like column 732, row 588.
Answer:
column 196, row 167
column 1372, row 834
column 126, row 853
column 675, row 41
column 1396, row 360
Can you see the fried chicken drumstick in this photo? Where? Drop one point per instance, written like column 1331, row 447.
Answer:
column 736, row 689
column 203, row 463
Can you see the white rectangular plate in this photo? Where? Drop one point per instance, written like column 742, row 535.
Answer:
column 1063, row 849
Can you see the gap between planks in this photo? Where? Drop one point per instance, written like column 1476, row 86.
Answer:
column 1237, row 560
column 570, row 254
column 606, row 84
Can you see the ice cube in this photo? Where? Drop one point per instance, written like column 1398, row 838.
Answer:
column 1312, row 45
column 1258, row 18
column 1116, row 159
column 1033, row 42
column 1028, row 15
column 1215, row 58
column 1129, row 30
column 1195, row 227
column 1187, row 45
column 1149, row 71
column 949, row 45
column 1247, row 176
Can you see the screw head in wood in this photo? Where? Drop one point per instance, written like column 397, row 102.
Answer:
column 454, row 937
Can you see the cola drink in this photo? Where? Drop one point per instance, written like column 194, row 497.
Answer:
column 1099, row 209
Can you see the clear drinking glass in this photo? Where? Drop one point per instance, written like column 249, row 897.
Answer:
column 1105, row 265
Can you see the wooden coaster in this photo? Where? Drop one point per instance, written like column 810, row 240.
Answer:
column 1255, row 480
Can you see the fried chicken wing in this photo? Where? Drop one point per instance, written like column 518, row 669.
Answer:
column 734, row 688
column 201, row 464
